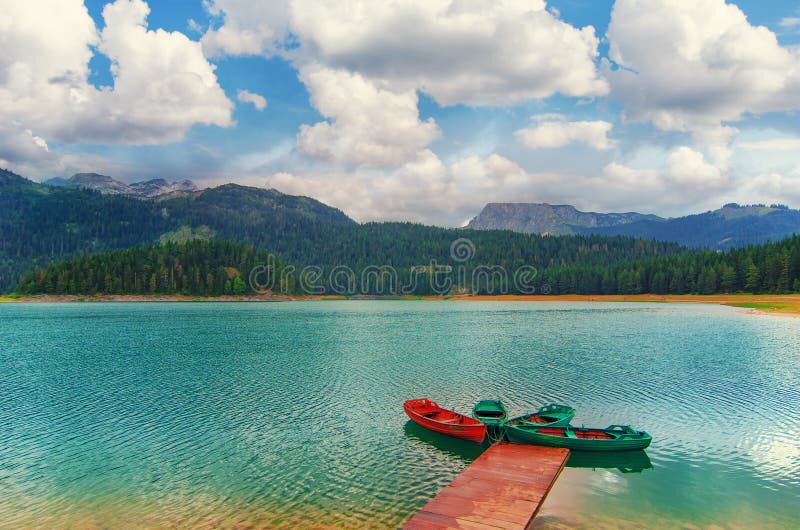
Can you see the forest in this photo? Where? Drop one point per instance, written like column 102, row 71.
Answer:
column 574, row 265
column 78, row 241
column 194, row 267
column 41, row 225
column 768, row 268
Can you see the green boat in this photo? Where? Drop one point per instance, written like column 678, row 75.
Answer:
column 613, row 438
column 490, row 412
column 552, row 415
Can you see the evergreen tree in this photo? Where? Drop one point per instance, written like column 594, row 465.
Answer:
column 729, row 279
column 753, row 279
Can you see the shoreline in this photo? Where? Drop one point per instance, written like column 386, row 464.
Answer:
column 766, row 304
column 785, row 305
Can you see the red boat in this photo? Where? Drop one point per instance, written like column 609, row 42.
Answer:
column 431, row 416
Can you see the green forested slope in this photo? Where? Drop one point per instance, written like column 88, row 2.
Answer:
column 43, row 224
column 217, row 267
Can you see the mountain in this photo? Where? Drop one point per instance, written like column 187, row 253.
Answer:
column 102, row 183
column 40, row 224
column 158, row 189
column 161, row 188
column 57, row 182
column 548, row 219
column 729, row 227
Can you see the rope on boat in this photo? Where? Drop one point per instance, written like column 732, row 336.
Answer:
column 496, row 433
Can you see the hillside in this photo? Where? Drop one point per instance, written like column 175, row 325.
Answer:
column 731, row 226
column 40, row 224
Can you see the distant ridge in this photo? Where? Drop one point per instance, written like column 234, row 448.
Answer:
column 147, row 189
column 731, row 226
column 552, row 219
column 160, row 187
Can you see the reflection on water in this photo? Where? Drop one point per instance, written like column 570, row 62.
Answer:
column 463, row 449
column 624, row 461
column 290, row 415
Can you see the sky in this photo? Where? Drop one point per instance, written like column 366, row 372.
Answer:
column 417, row 111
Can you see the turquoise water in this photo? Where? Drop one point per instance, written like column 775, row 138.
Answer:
column 290, row 414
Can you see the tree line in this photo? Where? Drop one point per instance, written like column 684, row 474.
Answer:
column 768, row 268
column 562, row 265
column 196, row 267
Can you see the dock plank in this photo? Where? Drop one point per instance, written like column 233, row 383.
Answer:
column 504, row 488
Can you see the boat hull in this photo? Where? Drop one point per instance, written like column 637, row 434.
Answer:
column 428, row 414
column 491, row 412
column 559, row 437
column 552, row 415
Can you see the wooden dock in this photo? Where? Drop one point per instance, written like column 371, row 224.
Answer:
column 502, row 488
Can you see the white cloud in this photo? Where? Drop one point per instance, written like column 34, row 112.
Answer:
column 248, row 28
column 29, row 155
column 685, row 176
column 364, row 63
column 162, row 82
column 18, row 145
column 458, row 51
column 194, row 26
column 789, row 22
column 401, row 194
column 678, row 182
column 368, row 125
column 630, row 178
column 423, row 190
column 771, row 188
column 257, row 100
column 551, row 134
column 689, row 168
column 772, row 144
column 426, row 190
column 693, row 65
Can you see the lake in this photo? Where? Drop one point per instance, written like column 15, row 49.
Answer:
column 290, row 414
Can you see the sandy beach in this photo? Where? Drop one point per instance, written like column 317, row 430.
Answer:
column 784, row 304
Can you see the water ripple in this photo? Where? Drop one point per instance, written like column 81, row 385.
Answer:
column 290, row 415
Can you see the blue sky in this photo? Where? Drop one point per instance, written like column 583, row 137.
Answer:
column 415, row 111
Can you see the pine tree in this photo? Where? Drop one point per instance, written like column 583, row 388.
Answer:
column 752, row 281
column 728, row 281
column 239, row 287
column 782, row 285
